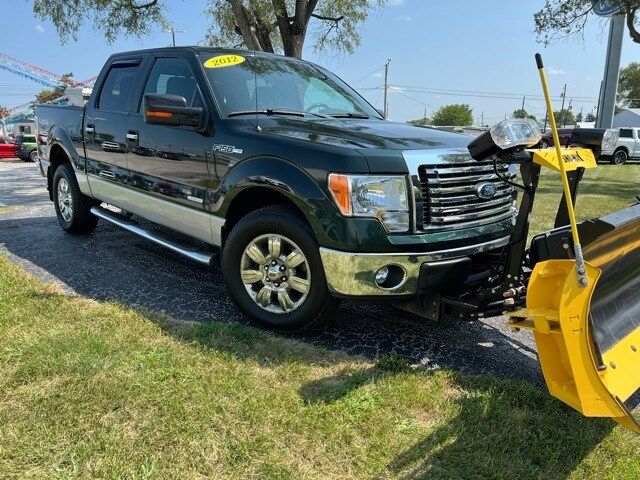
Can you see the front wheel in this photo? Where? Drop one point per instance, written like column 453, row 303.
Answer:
column 273, row 270
column 72, row 206
column 620, row 157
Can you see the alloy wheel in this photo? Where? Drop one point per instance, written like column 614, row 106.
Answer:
column 275, row 273
column 65, row 204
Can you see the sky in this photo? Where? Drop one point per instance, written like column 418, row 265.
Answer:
column 454, row 51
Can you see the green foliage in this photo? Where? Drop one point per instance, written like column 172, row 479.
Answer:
column 112, row 17
column 267, row 25
column 522, row 113
column 565, row 117
column 420, row 122
column 459, row 114
column 283, row 25
column 4, row 112
column 590, row 117
column 559, row 19
column 629, row 85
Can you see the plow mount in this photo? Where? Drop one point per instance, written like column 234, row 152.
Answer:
column 579, row 290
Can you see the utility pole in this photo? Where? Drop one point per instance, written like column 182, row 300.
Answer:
column 424, row 118
column 386, row 88
column 523, row 104
column 482, row 119
column 564, row 95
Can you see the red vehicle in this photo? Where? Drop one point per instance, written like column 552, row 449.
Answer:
column 8, row 149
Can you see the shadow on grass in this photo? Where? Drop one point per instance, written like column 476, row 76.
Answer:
column 500, row 429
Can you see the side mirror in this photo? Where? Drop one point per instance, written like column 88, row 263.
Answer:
column 162, row 109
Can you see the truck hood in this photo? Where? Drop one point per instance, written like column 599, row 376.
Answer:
column 362, row 134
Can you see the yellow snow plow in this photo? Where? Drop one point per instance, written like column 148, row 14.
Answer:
column 577, row 287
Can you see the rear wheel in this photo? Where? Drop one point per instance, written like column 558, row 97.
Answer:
column 33, row 155
column 72, row 206
column 272, row 267
column 620, row 157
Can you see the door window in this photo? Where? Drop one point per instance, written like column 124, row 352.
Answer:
column 117, row 87
column 626, row 133
column 172, row 76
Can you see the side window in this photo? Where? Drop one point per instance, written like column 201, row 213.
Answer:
column 626, row 133
column 173, row 76
column 117, row 88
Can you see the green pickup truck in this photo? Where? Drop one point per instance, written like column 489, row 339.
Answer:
column 27, row 147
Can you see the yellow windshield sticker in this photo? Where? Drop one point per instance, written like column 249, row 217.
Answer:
column 221, row 61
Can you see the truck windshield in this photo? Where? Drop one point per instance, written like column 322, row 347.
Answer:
column 278, row 84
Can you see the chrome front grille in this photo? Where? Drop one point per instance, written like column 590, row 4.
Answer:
column 450, row 200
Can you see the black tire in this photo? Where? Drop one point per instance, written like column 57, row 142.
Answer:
column 283, row 221
column 619, row 157
column 79, row 220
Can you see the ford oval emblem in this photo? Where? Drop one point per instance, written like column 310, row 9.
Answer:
column 486, row 191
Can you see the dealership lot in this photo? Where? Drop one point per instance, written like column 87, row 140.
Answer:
column 115, row 265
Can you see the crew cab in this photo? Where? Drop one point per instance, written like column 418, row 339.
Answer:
column 627, row 147
column 308, row 193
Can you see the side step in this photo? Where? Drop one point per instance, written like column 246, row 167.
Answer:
column 200, row 257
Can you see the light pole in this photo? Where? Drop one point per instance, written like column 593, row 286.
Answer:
column 173, row 32
column 386, row 88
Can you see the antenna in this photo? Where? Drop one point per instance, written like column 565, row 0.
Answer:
column 255, row 95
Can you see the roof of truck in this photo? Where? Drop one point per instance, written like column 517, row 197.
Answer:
column 200, row 49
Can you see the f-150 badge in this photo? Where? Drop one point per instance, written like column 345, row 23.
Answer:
column 227, row 149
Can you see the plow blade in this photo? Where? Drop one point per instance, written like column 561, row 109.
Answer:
column 588, row 338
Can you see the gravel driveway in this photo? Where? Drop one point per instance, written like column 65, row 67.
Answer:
column 112, row 264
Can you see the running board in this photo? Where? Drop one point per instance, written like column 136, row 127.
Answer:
column 200, row 257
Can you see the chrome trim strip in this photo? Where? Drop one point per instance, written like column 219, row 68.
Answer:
column 190, row 221
column 131, row 227
column 353, row 274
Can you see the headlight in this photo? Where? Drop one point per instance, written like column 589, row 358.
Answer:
column 515, row 132
column 378, row 196
column 609, row 140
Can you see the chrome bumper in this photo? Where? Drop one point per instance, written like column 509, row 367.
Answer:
column 353, row 274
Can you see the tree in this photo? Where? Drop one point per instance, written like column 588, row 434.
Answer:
column 420, row 122
column 565, row 117
column 266, row 25
column 4, row 112
column 459, row 114
column 590, row 117
column 563, row 18
column 522, row 113
column 629, row 86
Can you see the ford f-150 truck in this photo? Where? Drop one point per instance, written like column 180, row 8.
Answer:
column 310, row 195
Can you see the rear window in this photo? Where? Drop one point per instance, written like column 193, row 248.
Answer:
column 117, row 87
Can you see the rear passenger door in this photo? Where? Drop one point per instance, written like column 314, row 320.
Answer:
column 105, row 125
column 170, row 165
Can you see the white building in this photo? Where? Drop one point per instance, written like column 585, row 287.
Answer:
column 629, row 117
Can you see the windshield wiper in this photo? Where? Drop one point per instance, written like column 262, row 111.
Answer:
column 267, row 111
column 349, row 115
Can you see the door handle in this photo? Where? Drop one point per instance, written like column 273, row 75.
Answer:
column 107, row 174
column 132, row 138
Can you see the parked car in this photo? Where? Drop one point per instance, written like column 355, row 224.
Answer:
column 309, row 193
column 564, row 135
column 7, row 148
column 27, row 148
column 627, row 147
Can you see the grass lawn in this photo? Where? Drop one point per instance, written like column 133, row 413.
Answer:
column 98, row 390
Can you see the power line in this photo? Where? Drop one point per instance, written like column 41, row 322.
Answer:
column 368, row 75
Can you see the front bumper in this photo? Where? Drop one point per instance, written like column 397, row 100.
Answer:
column 353, row 274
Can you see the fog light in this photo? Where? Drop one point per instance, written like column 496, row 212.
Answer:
column 381, row 275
